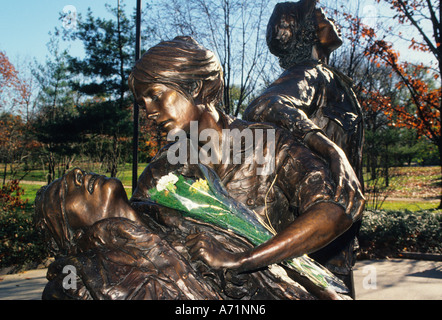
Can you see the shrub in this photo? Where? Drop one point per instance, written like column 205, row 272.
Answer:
column 387, row 233
column 20, row 244
column 10, row 196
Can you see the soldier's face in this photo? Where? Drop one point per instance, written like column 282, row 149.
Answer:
column 90, row 197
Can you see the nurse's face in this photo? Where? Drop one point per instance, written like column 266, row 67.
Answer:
column 169, row 108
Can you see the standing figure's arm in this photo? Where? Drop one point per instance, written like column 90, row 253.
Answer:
column 285, row 112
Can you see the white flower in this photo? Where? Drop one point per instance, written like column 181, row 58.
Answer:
column 166, row 182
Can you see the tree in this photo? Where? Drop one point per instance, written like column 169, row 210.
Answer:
column 417, row 13
column 14, row 91
column 423, row 110
column 15, row 145
column 102, row 76
column 8, row 80
column 394, row 92
column 235, row 31
column 54, row 125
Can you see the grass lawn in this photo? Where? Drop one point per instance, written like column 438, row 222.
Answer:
column 409, row 205
column 38, row 179
column 412, row 188
column 419, row 183
column 124, row 172
column 412, row 182
column 30, row 191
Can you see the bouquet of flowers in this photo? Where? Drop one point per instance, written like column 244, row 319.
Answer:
column 207, row 200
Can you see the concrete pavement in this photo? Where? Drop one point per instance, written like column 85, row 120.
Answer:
column 28, row 285
column 398, row 279
column 395, row 279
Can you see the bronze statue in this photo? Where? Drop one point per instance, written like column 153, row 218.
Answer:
column 142, row 250
column 178, row 82
column 114, row 254
column 316, row 103
column 117, row 255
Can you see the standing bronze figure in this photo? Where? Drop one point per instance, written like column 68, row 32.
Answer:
column 178, row 82
column 316, row 103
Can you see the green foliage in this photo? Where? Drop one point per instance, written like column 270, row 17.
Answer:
column 17, row 147
column 84, row 105
column 55, row 97
column 392, row 146
column 101, row 76
column 109, row 48
column 387, row 233
column 53, row 124
column 104, row 117
column 20, row 243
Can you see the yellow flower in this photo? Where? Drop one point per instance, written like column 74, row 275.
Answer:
column 200, row 184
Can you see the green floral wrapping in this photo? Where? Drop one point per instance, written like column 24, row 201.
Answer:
column 206, row 200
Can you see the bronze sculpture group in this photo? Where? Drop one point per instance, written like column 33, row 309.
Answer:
column 312, row 197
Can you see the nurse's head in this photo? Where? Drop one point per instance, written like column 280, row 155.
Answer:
column 176, row 81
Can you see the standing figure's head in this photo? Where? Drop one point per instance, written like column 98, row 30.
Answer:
column 76, row 201
column 297, row 32
column 175, row 81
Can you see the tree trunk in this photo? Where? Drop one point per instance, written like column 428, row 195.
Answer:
column 4, row 174
column 114, row 158
column 439, row 145
column 51, row 168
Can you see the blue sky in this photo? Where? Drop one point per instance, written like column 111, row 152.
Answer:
column 25, row 24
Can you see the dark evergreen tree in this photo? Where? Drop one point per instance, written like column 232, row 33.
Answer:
column 102, row 76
